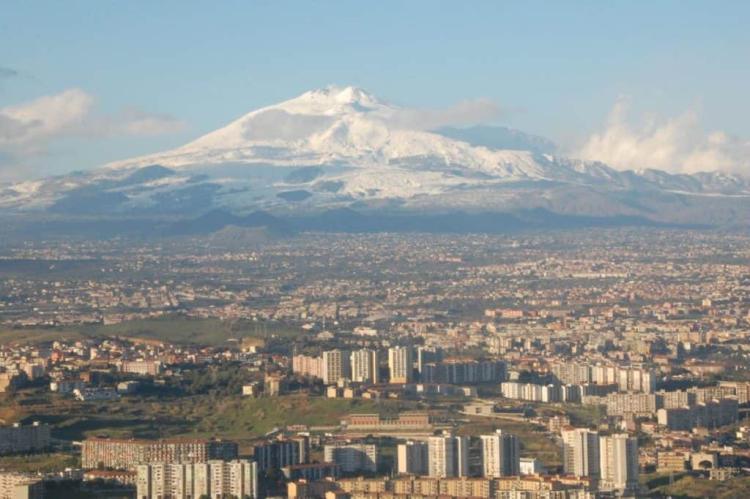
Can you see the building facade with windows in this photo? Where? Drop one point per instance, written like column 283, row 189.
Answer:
column 215, row 478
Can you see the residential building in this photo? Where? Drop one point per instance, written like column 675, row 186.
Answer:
column 460, row 371
column 580, row 452
column 639, row 404
column 106, row 453
column 281, row 452
column 273, row 385
column 412, row 458
column 500, row 454
column 141, row 367
column 310, row 472
column 365, row 366
column 448, row 456
column 531, row 466
column 95, row 394
column 712, row 414
column 305, row 365
column 24, row 438
column 400, row 364
column 352, row 457
column 215, row 478
column 618, row 463
column 334, row 366
column 672, row 461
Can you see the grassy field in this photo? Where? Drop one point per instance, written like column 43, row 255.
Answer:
column 173, row 329
column 33, row 335
column 586, row 415
column 221, row 416
column 237, row 418
column 39, row 462
column 687, row 487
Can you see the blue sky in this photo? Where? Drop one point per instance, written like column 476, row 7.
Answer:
column 152, row 75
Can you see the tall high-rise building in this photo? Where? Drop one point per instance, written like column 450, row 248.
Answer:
column 501, row 455
column 352, row 457
column 448, row 456
column 580, row 452
column 627, row 378
column 364, row 366
column 618, row 463
column 126, row 454
column 211, row 479
column 281, row 452
column 19, row 438
column 401, row 364
column 412, row 458
column 335, row 366
column 307, row 365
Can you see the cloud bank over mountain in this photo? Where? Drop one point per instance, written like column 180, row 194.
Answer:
column 678, row 144
column 28, row 129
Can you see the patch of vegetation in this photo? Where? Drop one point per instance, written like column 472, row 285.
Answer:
column 43, row 463
column 172, row 328
column 21, row 335
column 688, row 486
column 586, row 415
column 237, row 418
column 208, row 411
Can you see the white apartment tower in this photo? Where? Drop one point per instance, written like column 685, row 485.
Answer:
column 365, row 366
column 447, row 456
column 186, row 481
column 618, row 463
column 580, row 452
column 352, row 457
column 501, row 455
column 400, row 364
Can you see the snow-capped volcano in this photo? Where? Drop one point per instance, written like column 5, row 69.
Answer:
column 334, row 126
column 342, row 147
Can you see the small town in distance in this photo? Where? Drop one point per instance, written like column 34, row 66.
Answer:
column 542, row 365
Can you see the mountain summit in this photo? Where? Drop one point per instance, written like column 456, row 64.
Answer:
column 341, row 126
column 341, row 147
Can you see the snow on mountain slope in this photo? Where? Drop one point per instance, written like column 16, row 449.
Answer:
column 336, row 147
column 334, row 126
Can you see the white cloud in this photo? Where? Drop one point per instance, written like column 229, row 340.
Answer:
column 677, row 144
column 44, row 118
column 468, row 112
column 28, row 129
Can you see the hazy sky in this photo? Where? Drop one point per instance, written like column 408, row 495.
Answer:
column 634, row 84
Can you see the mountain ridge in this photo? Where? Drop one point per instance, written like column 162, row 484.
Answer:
column 343, row 147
